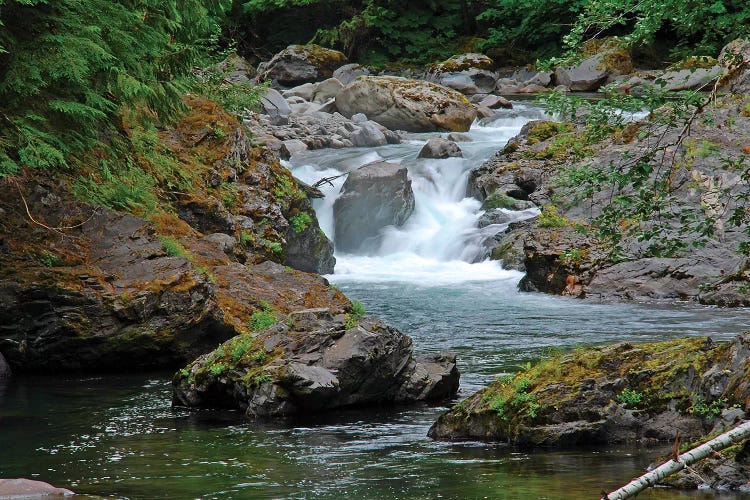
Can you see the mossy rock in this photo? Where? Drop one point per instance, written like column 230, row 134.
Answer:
column 499, row 200
column 581, row 396
column 462, row 62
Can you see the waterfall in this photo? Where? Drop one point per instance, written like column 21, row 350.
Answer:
column 440, row 243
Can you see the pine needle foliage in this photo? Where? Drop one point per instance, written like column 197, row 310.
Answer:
column 69, row 67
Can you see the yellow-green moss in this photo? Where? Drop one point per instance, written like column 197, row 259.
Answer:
column 653, row 371
column 542, row 131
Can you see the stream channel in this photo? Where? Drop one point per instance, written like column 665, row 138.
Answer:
column 118, row 435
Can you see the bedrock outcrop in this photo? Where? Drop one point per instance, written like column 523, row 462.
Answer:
column 563, row 252
column 613, row 394
column 314, row 360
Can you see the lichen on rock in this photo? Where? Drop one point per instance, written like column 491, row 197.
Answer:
column 619, row 393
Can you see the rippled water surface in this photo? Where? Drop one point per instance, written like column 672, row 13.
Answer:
column 119, row 436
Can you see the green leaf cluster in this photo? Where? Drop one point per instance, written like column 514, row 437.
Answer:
column 69, row 67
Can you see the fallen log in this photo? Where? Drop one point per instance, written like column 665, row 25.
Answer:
column 737, row 434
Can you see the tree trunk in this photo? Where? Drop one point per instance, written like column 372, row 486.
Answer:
column 729, row 438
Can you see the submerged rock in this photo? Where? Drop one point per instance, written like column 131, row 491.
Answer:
column 374, row 196
column 29, row 488
column 311, row 362
column 610, row 394
column 404, row 104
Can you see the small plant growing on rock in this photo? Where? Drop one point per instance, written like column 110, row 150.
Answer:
column 630, row 398
column 246, row 238
column 48, row 259
column 274, row 246
column 300, row 222
column 550, row 218
column 261, row 320
column 172, row 247
column 357, row 311
column 703, row 409
column 218, row 369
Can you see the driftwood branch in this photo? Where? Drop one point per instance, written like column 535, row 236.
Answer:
column 735, row 435
column 327, row 180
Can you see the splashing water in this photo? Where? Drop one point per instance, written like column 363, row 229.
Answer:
column 440, row 243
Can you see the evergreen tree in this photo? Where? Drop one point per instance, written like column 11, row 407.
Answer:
column 67, row 67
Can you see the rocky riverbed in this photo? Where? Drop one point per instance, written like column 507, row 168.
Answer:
column 235, row 261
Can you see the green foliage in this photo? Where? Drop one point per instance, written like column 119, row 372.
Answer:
column 274, row 246
column 355, row 314
column 300, row 222
column 218, row 369
column 68, row 67
column 550, row 218
column 630, row 398
column 240, row 347
column 119, row 185
column 173, row 247
column 260, row 320
column 47, row 259
column 700, row 28
column 537, row 25
column 237, row 98
column 703, row 409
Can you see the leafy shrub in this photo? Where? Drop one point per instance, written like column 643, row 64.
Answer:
column 550, row 218
column 173, row 247
column 300, row 222
column 261, row 320
column 630, row 398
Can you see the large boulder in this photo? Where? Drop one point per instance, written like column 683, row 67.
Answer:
column 440, row 148
column 121, row 293
column 735, row 58
column 327, row 90
column 275, row 106
column 307, row 247
column 368, row 134
column 236, row 70
column 467, row 73
column 690, row 79
column 347, row 73
column 612, row 394
column 588, row 75
column 314, row 361
column 404, row 104
column 374, row 196
column 299, row 64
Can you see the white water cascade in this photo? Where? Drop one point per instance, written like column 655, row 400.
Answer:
column 440, row 243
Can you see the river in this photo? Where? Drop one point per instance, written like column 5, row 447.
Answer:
column 119, row 436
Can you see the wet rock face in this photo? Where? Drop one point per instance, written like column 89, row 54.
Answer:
column 5, row 371
column 610, row 394
column 133, row 306
column 404, row 104
column 307, row 247
column 299, row 64
column 374, row 196
column 314, row 361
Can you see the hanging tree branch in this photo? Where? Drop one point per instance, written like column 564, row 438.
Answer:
column 676, row 464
